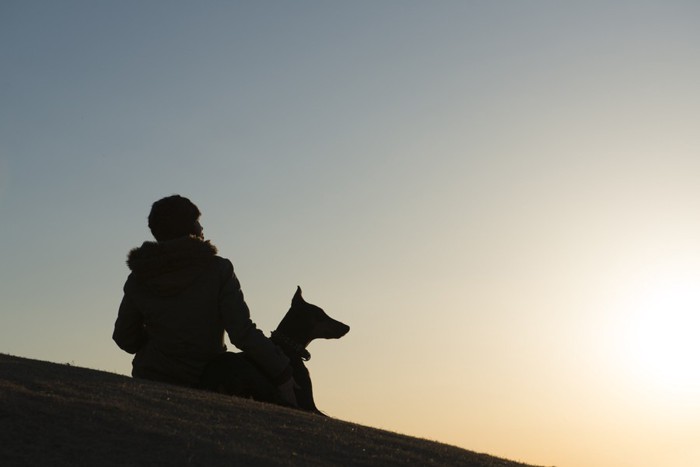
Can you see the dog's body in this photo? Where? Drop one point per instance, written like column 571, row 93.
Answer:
column 302, row 324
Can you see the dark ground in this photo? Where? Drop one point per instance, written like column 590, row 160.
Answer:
column 60, row 415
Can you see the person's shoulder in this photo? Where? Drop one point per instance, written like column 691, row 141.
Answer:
column 224, row 265
column 131, row 284
column 220, row 260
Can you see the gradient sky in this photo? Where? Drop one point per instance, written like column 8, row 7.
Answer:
column 501, row 199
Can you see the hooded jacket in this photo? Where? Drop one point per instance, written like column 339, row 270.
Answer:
column 178, row 300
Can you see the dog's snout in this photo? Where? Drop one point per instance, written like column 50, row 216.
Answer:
column 331, row 329
column 341, row 329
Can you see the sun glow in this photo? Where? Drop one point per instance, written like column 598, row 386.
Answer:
column 660, row 344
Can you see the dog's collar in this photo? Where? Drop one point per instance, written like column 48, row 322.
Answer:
column 285, row 341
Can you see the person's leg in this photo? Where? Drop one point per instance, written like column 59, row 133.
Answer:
column 233, row 374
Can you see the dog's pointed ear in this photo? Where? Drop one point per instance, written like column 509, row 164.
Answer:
column 297, row 296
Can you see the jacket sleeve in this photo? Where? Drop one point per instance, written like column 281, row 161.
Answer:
column 243, row 333
column 129, row 330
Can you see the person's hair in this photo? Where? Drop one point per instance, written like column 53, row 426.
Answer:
column 173, row 217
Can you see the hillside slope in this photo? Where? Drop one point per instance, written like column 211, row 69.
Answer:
column 59, row 415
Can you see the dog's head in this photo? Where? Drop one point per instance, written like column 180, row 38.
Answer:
column 307, row 322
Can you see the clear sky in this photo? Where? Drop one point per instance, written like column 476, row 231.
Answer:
column 501, row 199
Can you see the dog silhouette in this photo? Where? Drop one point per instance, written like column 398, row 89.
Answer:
column 235, row 373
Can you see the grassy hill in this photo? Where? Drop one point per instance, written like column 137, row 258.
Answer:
column 60, row 415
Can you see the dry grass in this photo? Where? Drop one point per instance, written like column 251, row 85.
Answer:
column 60, row 415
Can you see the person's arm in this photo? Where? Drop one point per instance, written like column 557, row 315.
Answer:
column 244, row 334
column 129, row 331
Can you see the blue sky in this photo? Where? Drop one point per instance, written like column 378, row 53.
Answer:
column 500, row 198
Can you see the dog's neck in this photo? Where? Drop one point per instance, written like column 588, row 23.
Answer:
column 290, row 346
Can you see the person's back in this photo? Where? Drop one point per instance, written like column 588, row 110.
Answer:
column 180, row 298
column 175, row 285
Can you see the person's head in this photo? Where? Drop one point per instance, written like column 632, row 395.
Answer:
column 173, row 217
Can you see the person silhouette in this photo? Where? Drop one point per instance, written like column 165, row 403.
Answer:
column 180, row 298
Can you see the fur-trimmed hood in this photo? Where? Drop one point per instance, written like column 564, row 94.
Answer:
column 167, row 267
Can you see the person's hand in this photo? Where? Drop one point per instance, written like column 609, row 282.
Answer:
column 286, row 391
